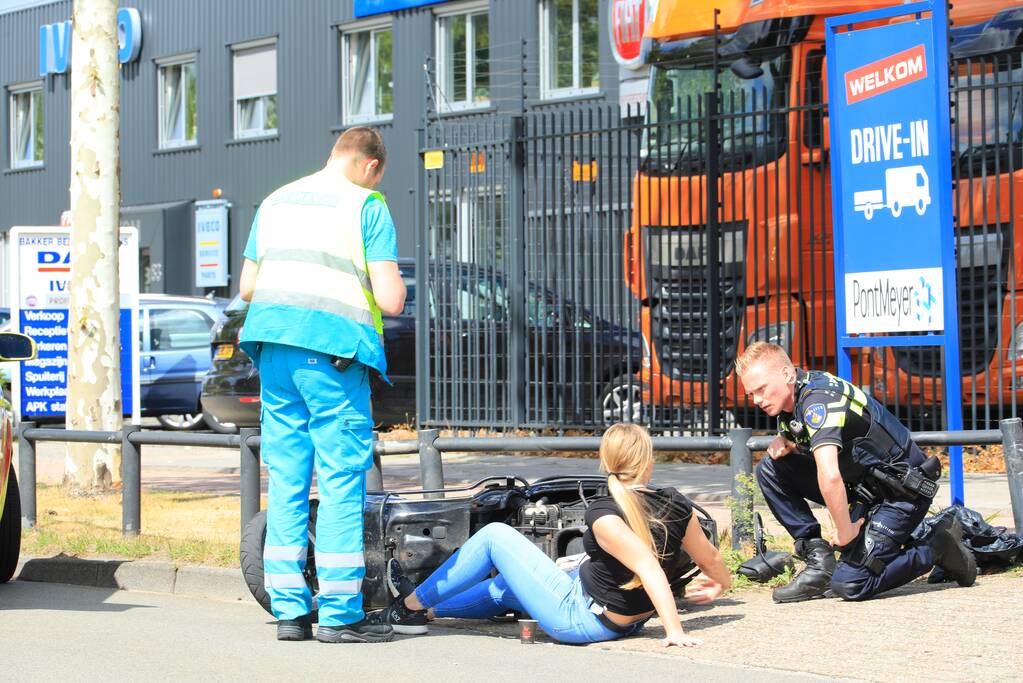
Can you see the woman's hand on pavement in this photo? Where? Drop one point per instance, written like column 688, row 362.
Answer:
column 681, row 639
column 704, row 590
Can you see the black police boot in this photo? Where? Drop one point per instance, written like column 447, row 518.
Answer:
column 815, row 579
column 950, row 554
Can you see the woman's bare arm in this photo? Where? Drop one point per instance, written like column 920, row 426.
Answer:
column 708, row 559
column 614, row 536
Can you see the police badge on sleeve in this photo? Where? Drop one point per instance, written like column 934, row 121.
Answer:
column 814, row 415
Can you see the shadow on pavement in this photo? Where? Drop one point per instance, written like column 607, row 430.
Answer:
column 22, row 595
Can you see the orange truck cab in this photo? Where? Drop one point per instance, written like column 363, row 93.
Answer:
column 774, row 278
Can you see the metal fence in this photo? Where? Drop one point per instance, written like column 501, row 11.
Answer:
column 567, row 248
column 430, row 446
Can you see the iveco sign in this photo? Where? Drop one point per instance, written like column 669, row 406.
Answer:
column 55, row 42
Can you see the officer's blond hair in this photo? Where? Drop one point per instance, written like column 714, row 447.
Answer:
column 625, row 453
column 758, row 351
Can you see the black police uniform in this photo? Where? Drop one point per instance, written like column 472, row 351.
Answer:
column 829, row 410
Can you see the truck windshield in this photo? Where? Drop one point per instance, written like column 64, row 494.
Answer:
column 988, row 126
column 752, row 131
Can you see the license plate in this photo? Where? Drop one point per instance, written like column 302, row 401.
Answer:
column 224, row 352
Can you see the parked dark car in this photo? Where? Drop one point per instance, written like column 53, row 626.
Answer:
column 230, row 393
column 175, row 355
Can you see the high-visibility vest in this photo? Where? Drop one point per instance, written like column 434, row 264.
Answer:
column 312, row 288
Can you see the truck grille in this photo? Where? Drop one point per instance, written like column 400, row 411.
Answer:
column 680, row 288
column 982, row 256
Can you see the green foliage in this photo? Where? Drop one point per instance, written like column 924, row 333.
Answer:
column 742, row 515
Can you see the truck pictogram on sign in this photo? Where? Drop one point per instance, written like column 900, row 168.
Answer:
column 904, row 186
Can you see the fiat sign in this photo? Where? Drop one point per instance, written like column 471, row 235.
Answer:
column 626, row 21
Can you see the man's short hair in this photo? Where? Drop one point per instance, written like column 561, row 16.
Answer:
column 361, row 141
column 757, row 351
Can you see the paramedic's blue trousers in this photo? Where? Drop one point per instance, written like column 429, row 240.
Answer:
column 314, row 415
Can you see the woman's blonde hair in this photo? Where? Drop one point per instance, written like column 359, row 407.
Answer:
column 625, row 453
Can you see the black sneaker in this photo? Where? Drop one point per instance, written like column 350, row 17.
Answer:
column 403, row 620
column 363, row 631
column 400, row 585
column 295, row 629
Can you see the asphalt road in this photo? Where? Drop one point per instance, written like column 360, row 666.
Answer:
column 59, row 632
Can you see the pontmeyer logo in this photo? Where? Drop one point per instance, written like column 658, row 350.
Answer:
column 924, row 300
column 894, row 301
column 885, row 74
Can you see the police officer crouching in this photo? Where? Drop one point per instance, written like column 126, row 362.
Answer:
column 841, row 448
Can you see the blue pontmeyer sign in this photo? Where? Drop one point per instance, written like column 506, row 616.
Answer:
column 891, row 188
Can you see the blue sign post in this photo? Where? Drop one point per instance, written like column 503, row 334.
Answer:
column 891, row 187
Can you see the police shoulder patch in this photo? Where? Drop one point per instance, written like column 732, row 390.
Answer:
column 815, row 414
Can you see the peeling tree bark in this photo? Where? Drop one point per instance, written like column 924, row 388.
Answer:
column 94, row 365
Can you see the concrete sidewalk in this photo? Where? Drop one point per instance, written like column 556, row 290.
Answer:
column 215, row 470
column 918, row 632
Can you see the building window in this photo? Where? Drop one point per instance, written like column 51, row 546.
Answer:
column 463, row 58
column 26, row 112
column 367, row 74
column 570, row 54
column 177, row 102
column 255, row 90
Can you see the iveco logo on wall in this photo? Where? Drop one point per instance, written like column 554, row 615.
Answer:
column 55, row 42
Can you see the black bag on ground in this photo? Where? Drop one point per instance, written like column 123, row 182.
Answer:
column 992, row 546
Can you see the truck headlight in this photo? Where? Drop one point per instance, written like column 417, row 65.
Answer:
column 779, row 333
column 1016, row 349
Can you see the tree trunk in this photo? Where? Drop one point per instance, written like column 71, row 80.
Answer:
column 94, row 363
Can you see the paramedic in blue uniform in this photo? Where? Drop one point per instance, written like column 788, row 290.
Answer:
column 320, row 269
column 838, row 446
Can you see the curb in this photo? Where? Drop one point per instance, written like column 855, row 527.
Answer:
column 214, row 583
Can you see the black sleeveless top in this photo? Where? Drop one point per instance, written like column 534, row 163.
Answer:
column 602, row 574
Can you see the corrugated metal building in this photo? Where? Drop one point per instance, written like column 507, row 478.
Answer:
column 245, row 95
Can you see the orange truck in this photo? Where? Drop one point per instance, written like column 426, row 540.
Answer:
column 759, row 265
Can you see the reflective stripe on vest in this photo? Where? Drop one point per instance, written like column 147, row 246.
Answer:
column 311, row 253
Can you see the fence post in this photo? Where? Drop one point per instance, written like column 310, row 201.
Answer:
column 515, row 278
column 248, row 469
column 423, row 336
column 1012, row 447
column 375, row 476
column 711, row 130
column 131, row 482
column 27, row 475
column 430, row 466
column 741, row 459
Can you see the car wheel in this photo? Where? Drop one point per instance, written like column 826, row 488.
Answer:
column 621, row 400
column 216, row 425
column 181, row 422
column 868, row 211
column 10, row 530
column 896, row 209
column 250, row 554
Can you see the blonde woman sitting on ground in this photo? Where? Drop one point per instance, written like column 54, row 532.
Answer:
column 636, row 540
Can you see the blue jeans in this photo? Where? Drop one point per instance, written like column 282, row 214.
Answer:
column 529, row 581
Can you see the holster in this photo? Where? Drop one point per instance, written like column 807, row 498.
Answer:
column 860, row 552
